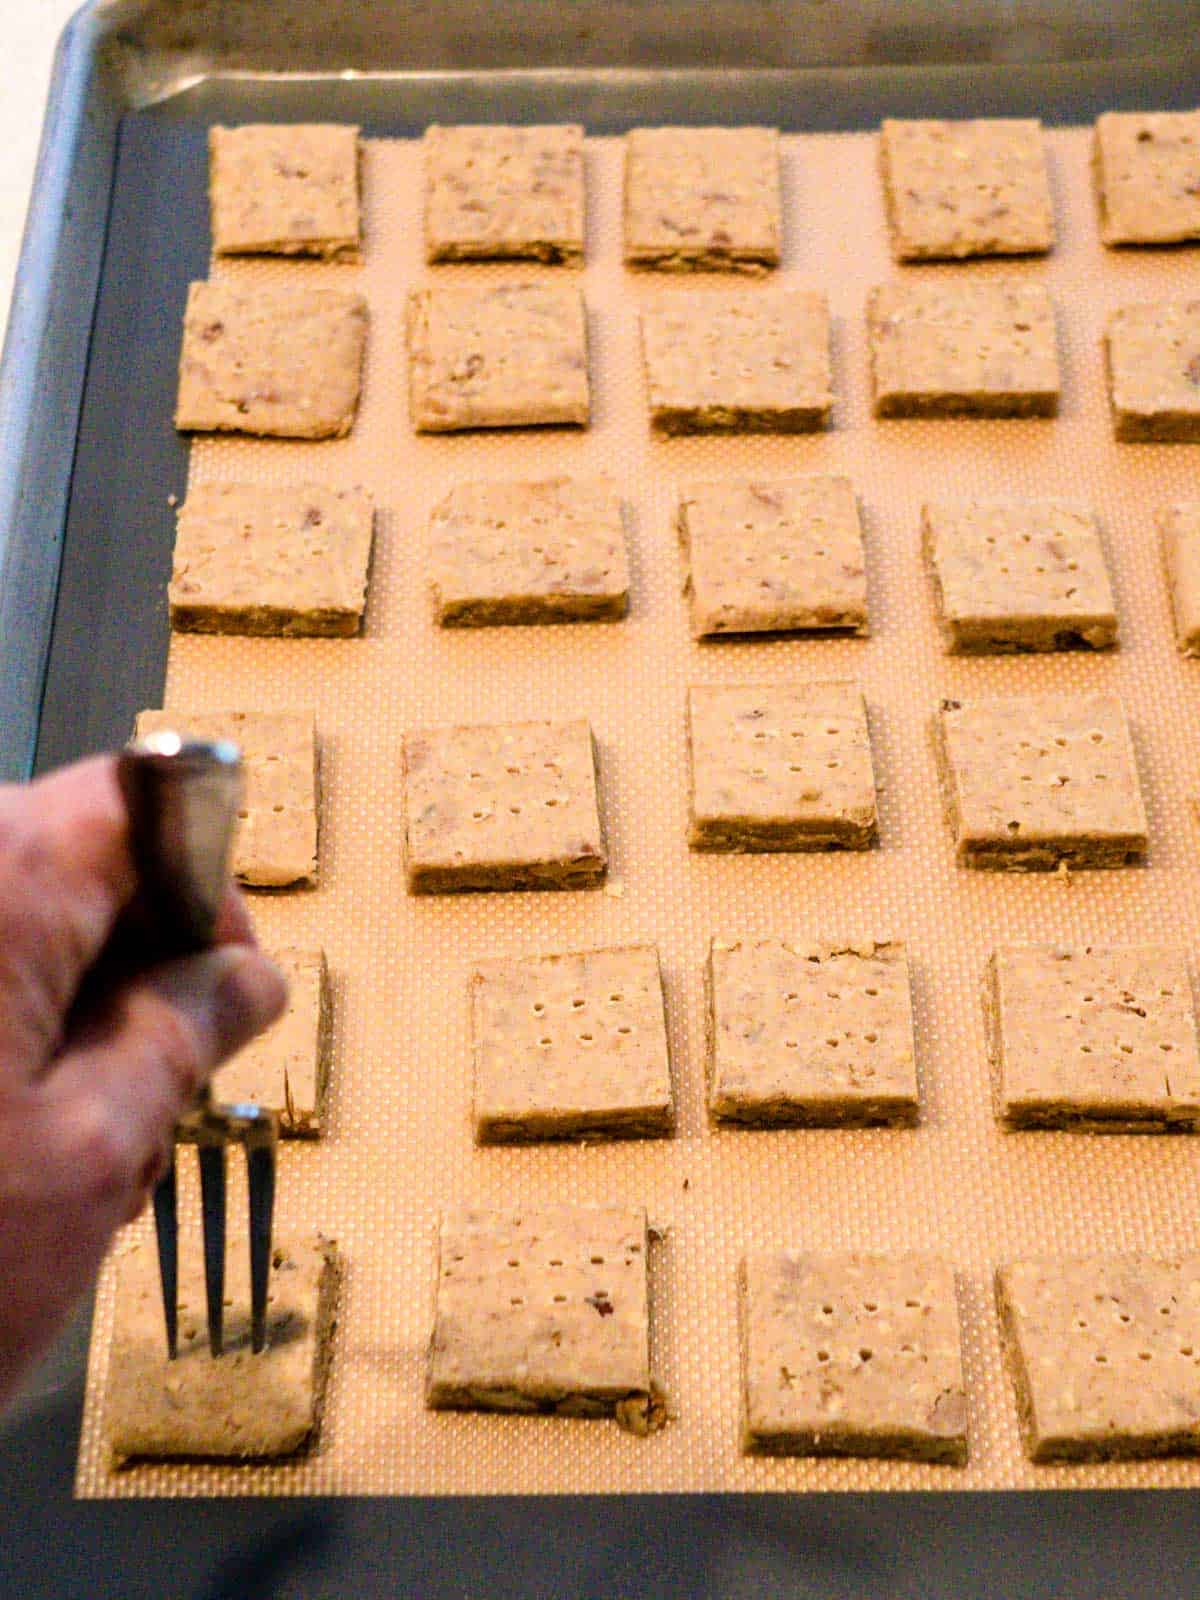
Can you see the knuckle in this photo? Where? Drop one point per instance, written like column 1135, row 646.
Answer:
column 178, row 1047
column 105, row 1160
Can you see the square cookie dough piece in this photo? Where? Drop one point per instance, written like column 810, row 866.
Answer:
column 500, row 355
column 508, row 806
column 1147, row 167
column 984, row 349
column 1179, row 526
column 722, row 363
column 1030, row 781
column 1104, row 1355
column 284, row 361
column 285, row 1068
column 288, row 190
column 1153, row 359
column 254, row 559
column 570, row 1046
column 780, row 767
column 493, row 192
column 702, row 199
column 810, row 1034
column 276, row 841
column 543, row 1311
column 1013, row 575
column 241, row 1406
column 956, row 189
column 1101, row 1041
column 529, row 552
column 851, row 1355
column 774, row 556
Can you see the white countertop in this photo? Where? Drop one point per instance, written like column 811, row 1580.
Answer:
column 30, row 30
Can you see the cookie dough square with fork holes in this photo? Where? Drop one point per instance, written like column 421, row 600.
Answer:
column 810, row 1034
column 1095, row 1040
column 290, row 190
column 1179, row 528
column 780, row 767
column 1147, row 166
column 851, row 1355
column 507, row 806
column 570, row 1046
column 285, row 1068
column 493, row 192
column 1032, row 781
column 276, row 840
column 1153, row 356
column 780, row 556
column 500, row 355
column 528, row 553
column 723, row 363
column 1104, row 1355
column 702, row 199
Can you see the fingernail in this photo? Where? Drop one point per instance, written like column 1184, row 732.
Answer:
column 251, row 995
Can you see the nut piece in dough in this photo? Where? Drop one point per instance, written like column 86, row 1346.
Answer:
column 810, row 1034
column 241, row 1406
column 780, row 767
column 1147, row 166
column 570, row 1046
column 1179, row 526
column 985, row 348
column 1153, row 358
column 702, row 198
column 784, row 555
column 493, row 192
column 288, row 190
column 1104, row 1355
column 543, row 1311
column 251, row 558
column 851, row 1355
column 1030, row 781
column 276, row 840
column 957, row 189
column 284, row 361
column 508, row 806
column 528, row 552
column 727, row 363
column 1013, row 575
column 1100, row 1041
column 501, row 355
column 285, row 1069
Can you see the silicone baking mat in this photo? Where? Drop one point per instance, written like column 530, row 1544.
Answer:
column 398, row 1144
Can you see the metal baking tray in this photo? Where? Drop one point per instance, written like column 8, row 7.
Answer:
column 117, row 227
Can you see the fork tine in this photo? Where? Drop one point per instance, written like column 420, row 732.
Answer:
column 166, row 1229
column 260, row 1174
column 212, row 1204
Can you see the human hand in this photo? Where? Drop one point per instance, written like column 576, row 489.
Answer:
column 90, row 1091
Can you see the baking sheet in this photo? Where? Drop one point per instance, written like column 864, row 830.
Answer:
column 399, row 1143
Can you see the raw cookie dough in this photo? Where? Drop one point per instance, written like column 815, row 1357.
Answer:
column 810, row 1034
column 276, row 840
column 255, row 559
column 570, row 1046
column 284, row 360
column 500, row 355
column 956, row 189
column 780, row 767
column 509, row 806
column 494, row 192
column 285, row 1068
column 1179, row 526
column 1153, row 361
column 728, row 363
column 528, row 552
column 1030, row 781
column 241, row 1406
column 851, row 1355
column 984, row 348
column 1104, row 1355
column 1011, row 575
column 288, row 190
column 543, row 1311
column 1147, row 166
column 702, row 198
column 784, row 555
column 1101, row 1041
